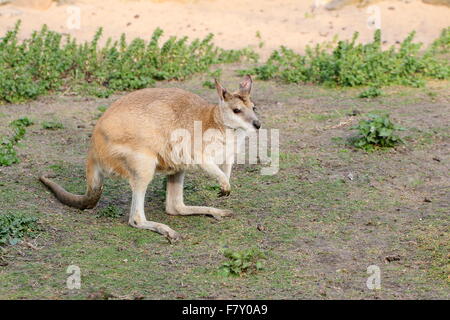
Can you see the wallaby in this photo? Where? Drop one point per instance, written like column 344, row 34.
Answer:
column 133, row 139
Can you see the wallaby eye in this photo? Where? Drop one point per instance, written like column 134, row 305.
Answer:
column 236, row 110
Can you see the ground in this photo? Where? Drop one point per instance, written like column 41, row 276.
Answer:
column 329, row 213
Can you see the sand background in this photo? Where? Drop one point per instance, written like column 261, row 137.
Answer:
column 234, row 22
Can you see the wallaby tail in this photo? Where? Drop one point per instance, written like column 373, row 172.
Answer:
column 86, row 201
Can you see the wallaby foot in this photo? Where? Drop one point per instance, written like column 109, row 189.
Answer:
column 160, row 228
column 182, row 210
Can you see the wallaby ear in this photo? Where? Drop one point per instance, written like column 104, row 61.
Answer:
column 224, row 95
column 246, row 85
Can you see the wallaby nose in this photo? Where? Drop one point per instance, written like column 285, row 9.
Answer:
column 256, row 124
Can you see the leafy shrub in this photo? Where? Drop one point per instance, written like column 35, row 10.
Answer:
column 241, row 262
column 14, row 227
column 376, row 132
column 371, row 92
column 110, row 211
column 52, row 125
column 442, row 44
column 351, row 64
column 8, row 154
column 48, row 61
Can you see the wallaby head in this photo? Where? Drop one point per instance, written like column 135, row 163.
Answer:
column 237, row 108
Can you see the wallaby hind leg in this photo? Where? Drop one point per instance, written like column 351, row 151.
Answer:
column 144, row 170
column 175, row 203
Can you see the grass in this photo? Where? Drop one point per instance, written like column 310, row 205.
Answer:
column 318, row 228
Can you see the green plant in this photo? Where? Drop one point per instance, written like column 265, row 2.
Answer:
column 208, row 84
column 376, row 132
column 14, row 227
column 21, row 122
column 52, row 125
column 350, row 64
column 102, row 108
column 259, row 37
column 8, row 153
column 241, row 262
column 212, row 75
column 49, row 61
column 371, row 92
column 442, row 44
column 110, row 211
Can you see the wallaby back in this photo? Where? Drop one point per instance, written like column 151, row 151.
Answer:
column 138, row 124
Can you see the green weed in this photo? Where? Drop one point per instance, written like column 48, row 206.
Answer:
column 14, row 227
column 102, row 108
column 216, row 75
column 241, row 262
column 371, row 92
column 350, row 64
column 8, row 153
column 110, row 211
column 376, row 132
column 52, row 125
column 49, row 61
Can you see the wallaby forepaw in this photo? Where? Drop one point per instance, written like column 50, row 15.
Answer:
column 224, row 193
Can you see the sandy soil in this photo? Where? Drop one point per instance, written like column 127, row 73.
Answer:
column 235, row 23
